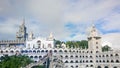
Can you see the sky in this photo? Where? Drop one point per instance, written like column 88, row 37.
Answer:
column 66, row 19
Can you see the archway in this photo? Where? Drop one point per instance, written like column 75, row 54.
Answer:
column 115, row 67
column 106, row 66
column 99, row 67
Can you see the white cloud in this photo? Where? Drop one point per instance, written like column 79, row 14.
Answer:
column 53, row 15
column 113, row 38
column 112, row 22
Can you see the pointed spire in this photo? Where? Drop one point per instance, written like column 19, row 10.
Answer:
column 23, row 23
column 93, row 31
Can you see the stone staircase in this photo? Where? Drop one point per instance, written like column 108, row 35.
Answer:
column 56, row 63
column 40, row 62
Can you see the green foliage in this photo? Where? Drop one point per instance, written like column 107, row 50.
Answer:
column 14, row 61
column 77, row 44
column 106, row 48
column 58, row 42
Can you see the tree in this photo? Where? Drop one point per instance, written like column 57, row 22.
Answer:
column 106, row 48
column 84, row 44
column 14, row 61
column 77, row 44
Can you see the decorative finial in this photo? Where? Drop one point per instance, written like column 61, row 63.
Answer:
column 93, row 25
column 51, row 35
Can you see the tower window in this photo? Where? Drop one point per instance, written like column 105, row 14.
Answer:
column 96, row 42
column 96, row 47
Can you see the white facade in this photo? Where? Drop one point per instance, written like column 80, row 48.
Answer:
column 93, row 57
column 39, row 43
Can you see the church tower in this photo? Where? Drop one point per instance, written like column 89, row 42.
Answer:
column 21, row 35
column 94, row 40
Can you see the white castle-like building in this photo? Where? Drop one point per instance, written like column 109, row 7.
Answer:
column 37, row 48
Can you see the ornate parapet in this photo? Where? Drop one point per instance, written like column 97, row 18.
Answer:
column 6, row 42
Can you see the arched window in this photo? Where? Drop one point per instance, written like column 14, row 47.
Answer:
column 55, row 51
column 96, row 56
column 61, row 56
column 111, row 55
column 112, row 61
column 91, row 61
column 116, row 55
column 12, row 51
column 99, row 67
column 40, row 56
column 71, row 56
column 90, row 56
column 76, row 56
column 106, row 66
column 83, row 61
column 107, row 60
column 65, row 51
column 97, row 61
column 1, row 51
column 76, row 61
column 86, row 65
column 71, row 61
column 80, row 61
column 60, row 51
column 77, row 66
column 46, row 50
column 6, row 51
column 66, row 61
column 35, row 57
column 86, row 61
column 91, row 65
column 117, row 61
column 107, row 56
column 26, row 51
column 22, row 51
column 80, row 56
column 31, row 56
column 91, row 52
column 38, row 51
column 39, row 42
column 34, row 51
column 97, row 51
column 100, row 61
column 72, row 67
column 115, row 67
column 86, row 56
column 66, row 56
column 83, row 56
column 42, row 51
